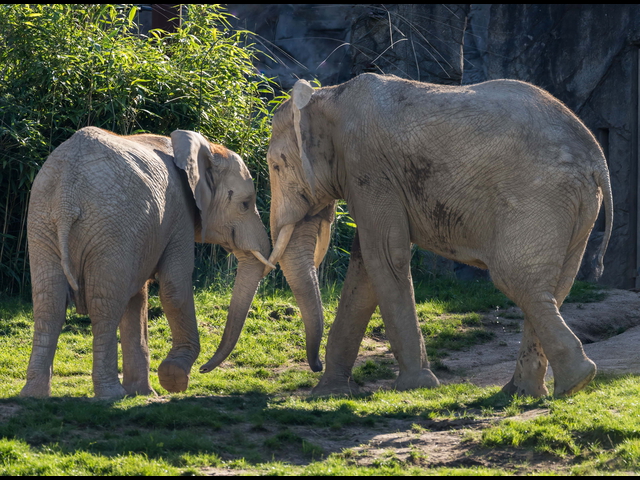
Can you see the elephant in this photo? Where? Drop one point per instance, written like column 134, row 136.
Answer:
column 109, row 213
column 498, row 175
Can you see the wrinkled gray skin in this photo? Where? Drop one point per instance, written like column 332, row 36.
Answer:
column 498, row 175
column 107, row 213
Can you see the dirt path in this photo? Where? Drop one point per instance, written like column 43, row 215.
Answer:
column 607, row 329
column 598, row 325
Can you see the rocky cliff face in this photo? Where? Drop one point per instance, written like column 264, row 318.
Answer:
column 585, row 55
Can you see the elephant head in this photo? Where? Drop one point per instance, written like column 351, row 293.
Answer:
column 302, row 171
column 226, row 200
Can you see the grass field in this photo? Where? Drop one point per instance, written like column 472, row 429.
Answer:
column 253, row 415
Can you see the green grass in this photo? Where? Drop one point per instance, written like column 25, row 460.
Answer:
column 253, row 414
column 605, row 415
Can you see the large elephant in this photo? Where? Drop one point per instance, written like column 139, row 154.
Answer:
column 498, row 175
column 107, row 213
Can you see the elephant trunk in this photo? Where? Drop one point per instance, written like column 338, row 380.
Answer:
column 248, row 278
column 297, row 262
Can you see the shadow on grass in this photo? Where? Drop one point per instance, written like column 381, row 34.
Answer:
column 255, row 427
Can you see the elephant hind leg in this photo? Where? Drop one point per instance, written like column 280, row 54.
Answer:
column 49, row 293
column 572, row 369
column 531, row 364
column 563, row 287
column 134, row 337
column 545, row 334
column 570, row 269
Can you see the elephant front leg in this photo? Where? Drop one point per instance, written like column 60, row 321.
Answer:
column 176, row 296
column 134, row 338
column 531, row 366
column 384, row 239
column 357, row 304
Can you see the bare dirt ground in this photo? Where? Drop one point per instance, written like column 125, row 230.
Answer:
column 609, row 330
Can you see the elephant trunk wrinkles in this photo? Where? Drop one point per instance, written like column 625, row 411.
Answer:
column 297, row 264
column 248, row 278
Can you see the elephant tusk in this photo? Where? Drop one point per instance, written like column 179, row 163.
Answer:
column 260, row 257
column 281, row 244
column 322, row 243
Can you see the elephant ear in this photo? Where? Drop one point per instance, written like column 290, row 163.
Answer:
column 192, row 153
column 301, row 96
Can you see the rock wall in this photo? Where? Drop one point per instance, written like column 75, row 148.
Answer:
column 586, row 55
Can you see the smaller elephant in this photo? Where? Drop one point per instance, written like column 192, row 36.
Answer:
column 498, row 175
column 108, row 213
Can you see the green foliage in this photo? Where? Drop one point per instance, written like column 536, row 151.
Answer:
column 334, row 267
column 66, row 66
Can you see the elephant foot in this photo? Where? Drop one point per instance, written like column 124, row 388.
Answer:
column 34, row 389
column 174, row 375
column 109, row 392
column 423, row 379
column 532, row 389
column 572, row 380
column 335, row 386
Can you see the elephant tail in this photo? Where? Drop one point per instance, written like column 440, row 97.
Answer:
column 76, row 294
column 603, row 181
column 64, row 226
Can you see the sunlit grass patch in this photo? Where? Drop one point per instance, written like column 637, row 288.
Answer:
column 606, row 413
column 19, row 458
column 368, row 408
column 453, row 332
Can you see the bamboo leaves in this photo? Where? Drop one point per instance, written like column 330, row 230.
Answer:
column 66, row 66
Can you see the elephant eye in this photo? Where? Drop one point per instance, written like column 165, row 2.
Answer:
column 244, row 206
